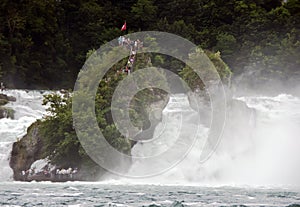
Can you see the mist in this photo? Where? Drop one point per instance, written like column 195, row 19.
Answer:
column 259, row 145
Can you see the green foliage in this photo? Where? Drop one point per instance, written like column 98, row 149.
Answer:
column 207, row 72
column 61, row 143
column 144, row 14
column 44, row 43
column 278, row 58
column 178, row 27
column 226, row 44
column 221, row 67
column 62, row 146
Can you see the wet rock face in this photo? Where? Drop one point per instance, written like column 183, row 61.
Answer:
column 4, row 111
column 154, row 111
column 7, row 98
column 3, row 102
column 30, row 148
column 26, row 151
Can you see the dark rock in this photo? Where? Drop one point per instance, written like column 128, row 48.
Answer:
column 155, row 116
column 3, row 102
column 30, row 149
column 177, row 204
column 3, row 96
column 11, row 98
column 26, row 151
column 6, row 113
column 7, row 98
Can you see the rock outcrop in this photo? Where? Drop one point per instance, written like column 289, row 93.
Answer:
column 31, row 147
column 6, row 112
column 7, row 98
column 26, row 150
column 154, row 111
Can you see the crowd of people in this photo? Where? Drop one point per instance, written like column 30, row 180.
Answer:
column 130, row 44
column 50, row 174
column 133, row 46
column 66, row 173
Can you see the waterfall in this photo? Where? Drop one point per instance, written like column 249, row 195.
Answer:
column 28, row 108
column 260, row 145
column 172, row 139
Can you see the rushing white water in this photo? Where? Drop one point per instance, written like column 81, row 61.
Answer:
column 172, row 138
column 28, row 108
column 260, row 145
column 275, row 155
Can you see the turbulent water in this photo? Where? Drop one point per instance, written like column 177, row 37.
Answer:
column 95, row 194
column 260, row 145
column 171, row 142
column 28, row 108
column 259, row 151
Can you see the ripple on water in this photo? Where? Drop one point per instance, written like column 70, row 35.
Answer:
column 84, row 195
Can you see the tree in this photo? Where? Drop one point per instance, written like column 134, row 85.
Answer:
column 144, row 14
column 226, row 44
column 208, row 73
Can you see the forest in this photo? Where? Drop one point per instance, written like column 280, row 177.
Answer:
column 43, row 44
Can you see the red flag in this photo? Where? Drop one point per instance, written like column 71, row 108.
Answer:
column 124, row 26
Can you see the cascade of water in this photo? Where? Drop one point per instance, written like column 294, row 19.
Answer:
column 28, row 108
column 263, row 151
column 275, row 155
column 260, row 145
column 173, row 138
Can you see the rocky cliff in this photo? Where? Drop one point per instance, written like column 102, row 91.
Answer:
column 30, row 148
column 26, row 150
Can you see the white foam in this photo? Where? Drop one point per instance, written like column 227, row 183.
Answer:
column 28, row 108
column 263, row 150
